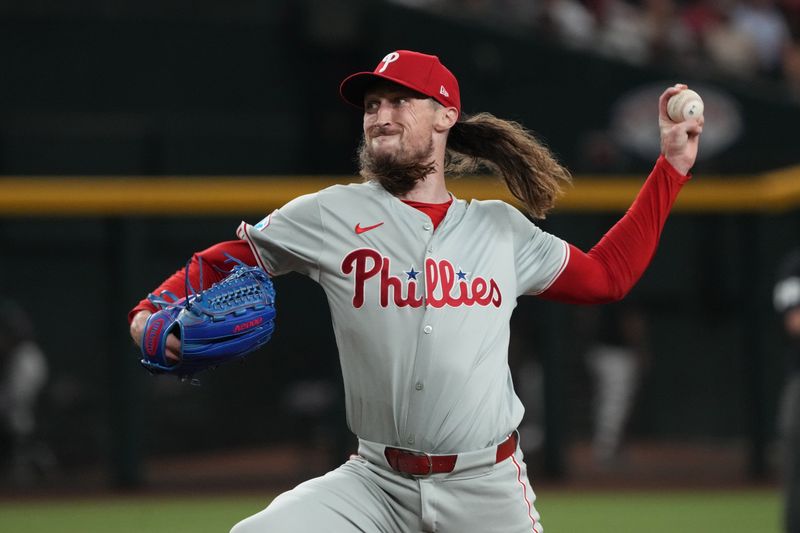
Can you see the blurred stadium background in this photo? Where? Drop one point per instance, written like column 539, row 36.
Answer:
column 134, row 133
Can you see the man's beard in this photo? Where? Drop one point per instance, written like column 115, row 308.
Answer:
column 398, row 175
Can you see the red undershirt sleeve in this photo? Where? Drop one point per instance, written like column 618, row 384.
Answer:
column 215, row 256
column 613, row 266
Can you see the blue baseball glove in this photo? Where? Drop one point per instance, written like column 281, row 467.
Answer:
column 223, row 323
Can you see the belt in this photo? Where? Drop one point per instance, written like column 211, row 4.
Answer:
column 424, row 464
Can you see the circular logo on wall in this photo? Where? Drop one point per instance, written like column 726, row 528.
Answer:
column 634, row 125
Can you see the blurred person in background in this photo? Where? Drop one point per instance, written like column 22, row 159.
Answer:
column 614, row 337
column 791, row 58
column 787, row 304
column 620, row 31
column 525, row 362
column 791, row 70
column 23, row 375
column 666, row 35
column 764, row 22
column 568, row 21
column 791, row 10
column 726, row 46
column 701, row 15
column 641, row 34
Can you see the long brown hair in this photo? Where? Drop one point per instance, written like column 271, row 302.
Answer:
column 529, row 169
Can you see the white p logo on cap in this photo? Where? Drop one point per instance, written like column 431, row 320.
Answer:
column 390, row 58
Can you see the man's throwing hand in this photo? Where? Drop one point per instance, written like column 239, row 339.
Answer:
column 679, row 140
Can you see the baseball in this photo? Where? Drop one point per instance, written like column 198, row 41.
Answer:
column 685, row 105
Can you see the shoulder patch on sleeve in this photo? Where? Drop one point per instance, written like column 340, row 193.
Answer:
column 264, row 222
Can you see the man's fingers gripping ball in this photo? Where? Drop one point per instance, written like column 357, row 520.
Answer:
column 685, row 105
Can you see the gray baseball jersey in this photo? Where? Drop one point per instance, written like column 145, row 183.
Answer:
column 421, row 317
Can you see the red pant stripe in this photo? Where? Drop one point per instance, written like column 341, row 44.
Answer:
column 525, row 494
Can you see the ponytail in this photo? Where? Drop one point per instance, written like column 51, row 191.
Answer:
column 529, row 169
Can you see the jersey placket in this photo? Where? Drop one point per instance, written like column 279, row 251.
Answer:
column 425, row 344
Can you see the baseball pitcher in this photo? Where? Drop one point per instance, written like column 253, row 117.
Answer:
column 421, row 287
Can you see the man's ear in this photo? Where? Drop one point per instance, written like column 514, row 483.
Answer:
column 446, row 117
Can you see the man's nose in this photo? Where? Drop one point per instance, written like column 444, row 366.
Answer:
column 384, row 113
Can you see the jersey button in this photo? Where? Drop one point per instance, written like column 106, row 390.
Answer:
column 410, row 439
column 427, row 329
column 427, row 227
column 419, row 386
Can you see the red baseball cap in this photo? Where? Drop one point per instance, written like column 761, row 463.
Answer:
column 421, row 72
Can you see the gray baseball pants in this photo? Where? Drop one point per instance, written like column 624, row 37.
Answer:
column 365, row 495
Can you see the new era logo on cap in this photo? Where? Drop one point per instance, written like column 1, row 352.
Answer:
column 421, row 72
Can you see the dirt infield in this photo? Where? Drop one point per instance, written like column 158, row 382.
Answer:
column 645, row 466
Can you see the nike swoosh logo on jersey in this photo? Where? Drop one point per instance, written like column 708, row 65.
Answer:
column 360, row 230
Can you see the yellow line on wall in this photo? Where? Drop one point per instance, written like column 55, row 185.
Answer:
column 198, row 195
column 152, row 196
